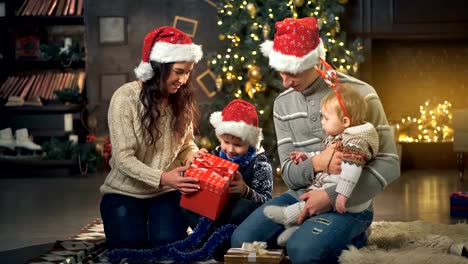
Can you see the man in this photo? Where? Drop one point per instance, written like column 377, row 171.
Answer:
column 323, row 233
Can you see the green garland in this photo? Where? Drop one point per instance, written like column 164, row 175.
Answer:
column 88, row 157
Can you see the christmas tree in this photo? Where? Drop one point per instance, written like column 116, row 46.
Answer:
column 242, row 71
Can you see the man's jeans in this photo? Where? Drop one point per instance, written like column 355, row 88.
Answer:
column 320, row 239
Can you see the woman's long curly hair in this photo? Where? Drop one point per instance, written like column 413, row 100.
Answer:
column 182, row 103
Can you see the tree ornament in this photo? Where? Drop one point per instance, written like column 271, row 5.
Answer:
column 205, row 142
column 250, row 89
column 260, row 87
column 254, row 74
column 266, row 30
column 299, row 3
column 219, row 83
column 221, row 37
column 252, row 10
column 343, row 2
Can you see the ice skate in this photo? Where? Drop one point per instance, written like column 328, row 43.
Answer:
column 7, row 142
column 25, row 146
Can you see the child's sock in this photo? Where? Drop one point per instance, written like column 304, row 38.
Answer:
column 459, row 250
column 284, row 215
column 275, row 213
column 285, row 235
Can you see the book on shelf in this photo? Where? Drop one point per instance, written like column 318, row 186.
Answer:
column 71, row 10
column 65, row 9
column 79, row 7
column 52, row 7
column 44, row 85
column 20, row 11
column 60, row 7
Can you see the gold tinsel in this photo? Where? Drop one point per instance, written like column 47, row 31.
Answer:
column 266, row 30
column 219, row 83
column 252, row 10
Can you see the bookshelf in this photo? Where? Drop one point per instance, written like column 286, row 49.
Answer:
column 43, row 64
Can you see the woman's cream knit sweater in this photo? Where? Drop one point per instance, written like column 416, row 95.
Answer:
column 136, row 165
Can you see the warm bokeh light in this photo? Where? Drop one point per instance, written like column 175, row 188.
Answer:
column 433, row 125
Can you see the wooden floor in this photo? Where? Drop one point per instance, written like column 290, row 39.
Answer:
column 37, row 210
column 416, row 195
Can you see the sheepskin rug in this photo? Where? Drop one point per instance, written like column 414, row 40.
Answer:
column 409, row 242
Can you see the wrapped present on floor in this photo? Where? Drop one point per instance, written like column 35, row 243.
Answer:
column 459, row 204
column 214, row 174
column 254, row 252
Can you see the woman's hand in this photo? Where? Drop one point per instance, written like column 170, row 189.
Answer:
column 174, row 179
column 329, row 160
column 317, row 202
column 237, row 185
column 197, row 154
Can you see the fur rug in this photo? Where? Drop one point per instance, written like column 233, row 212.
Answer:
column 409, row 242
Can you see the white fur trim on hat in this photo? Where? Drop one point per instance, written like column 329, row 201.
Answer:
column 165, row 52
column 251, row 134
column 292, row 64
column 144, row 71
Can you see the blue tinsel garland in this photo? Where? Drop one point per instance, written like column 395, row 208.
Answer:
column 179, row 251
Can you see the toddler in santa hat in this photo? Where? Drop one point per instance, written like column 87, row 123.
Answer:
column 237, row 130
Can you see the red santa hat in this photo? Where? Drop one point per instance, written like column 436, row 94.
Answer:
column 239, row 118
column 296, row 46
column 166, row 44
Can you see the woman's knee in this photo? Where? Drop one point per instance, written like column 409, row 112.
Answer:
column 164, row 237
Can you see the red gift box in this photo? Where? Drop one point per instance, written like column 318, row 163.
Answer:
column 214, row 174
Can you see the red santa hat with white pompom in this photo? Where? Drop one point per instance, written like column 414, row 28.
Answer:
column 164, row 45
column 239, row 118
column 296, row 46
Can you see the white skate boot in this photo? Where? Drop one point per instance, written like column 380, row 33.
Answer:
column 7, row 142
column 24, row 145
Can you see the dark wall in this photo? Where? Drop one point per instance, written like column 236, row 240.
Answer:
column 404, row 20
column 110, row 64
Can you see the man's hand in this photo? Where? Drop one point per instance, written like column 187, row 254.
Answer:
column 317, row 202
column 174, row 179
column 329, row 160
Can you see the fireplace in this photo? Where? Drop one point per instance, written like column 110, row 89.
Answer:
column 410, row 75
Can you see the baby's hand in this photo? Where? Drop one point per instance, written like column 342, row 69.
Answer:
column 341, row 203
column 297, row 156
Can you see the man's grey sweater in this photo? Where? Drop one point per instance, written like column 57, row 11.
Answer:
column 298, row 128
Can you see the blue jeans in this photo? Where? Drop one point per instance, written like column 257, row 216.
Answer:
column 142, row 223
column 320, row 239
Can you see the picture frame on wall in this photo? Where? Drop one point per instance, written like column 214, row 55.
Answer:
column 207, row 82
column 2, row 9
column 187, row 25
column 112, row 30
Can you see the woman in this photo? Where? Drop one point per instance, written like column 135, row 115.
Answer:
column 151, row 130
